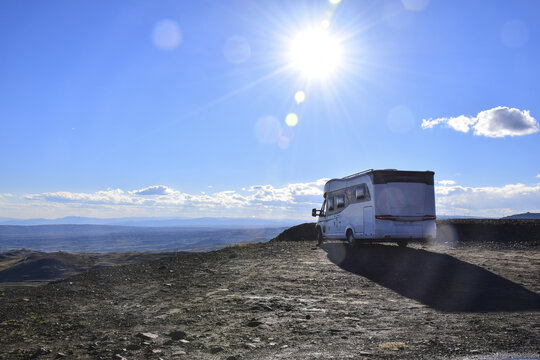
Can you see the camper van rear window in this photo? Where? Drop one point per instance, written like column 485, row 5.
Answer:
column 340, row 201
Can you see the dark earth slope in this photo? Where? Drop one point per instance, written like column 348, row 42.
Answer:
column 288, row 300
column 21, row 268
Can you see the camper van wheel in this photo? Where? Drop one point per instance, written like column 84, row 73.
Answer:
column 350, row 238
column 319, row 237
column 402, row 243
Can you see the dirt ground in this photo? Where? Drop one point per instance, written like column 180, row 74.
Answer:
column 289, row 300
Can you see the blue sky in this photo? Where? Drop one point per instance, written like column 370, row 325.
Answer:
column 169, row 108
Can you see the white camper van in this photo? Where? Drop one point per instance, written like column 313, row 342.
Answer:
column 378, row 205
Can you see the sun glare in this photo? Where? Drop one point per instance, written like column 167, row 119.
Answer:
column 315, row 53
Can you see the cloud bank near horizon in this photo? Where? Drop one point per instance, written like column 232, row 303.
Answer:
column 293, row 201
column 498, row 122
column 488, row 201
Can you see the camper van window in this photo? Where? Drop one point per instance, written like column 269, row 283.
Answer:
column 330, row 203
column 340, row 201
column 361, row 192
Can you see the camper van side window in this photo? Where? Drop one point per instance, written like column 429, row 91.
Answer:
column 361, row 192
column 340, row 201
column 330, row 203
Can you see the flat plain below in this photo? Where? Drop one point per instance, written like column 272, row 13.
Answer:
column 288, row 300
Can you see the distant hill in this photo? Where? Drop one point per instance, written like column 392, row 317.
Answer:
column 209, row 222
column 527, row 215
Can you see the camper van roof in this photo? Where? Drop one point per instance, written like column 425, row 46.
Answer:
column 392, row 175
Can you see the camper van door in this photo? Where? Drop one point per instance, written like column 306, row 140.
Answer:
column 368, row 221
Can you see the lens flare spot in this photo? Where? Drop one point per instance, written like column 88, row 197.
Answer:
column 291, row 119
column 237, row 50
column 325, row 24
column 166, row 35
column 514, row 34
column 284, row 142
column 299, row 97
column 268, row 130
column 415, row 5
column 334, row 2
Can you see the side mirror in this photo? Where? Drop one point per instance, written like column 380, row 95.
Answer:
column 315, row 212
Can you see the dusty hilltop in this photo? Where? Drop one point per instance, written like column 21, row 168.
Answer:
column 461, row 297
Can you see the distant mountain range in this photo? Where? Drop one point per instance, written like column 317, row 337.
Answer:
column 527, row 215
column 80, row 238
column 208, row 222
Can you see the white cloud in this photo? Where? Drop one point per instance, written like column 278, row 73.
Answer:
column 447, row 182
column 493, row 201
column 5, row 197
column 153, row 190
column 500, row 121
column 538, row 176
column 109, row 196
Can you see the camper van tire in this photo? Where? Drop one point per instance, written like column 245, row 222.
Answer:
column 350, row 238
column 320, row 238
column 402, row 243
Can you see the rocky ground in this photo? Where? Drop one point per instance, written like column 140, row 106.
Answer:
column 24, row 268
column 289, row 300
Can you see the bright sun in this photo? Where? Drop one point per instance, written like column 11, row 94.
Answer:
column 315, row 53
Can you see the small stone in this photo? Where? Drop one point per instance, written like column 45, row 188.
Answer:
column 308, row 317
column 177, row 335
column 168, row 285
column 147, row 336
column 254, row 323
column 119, row 357
column 184, row 341
column 393, row 345
column 60, row 355
column 156, row 351
column 179, row 352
